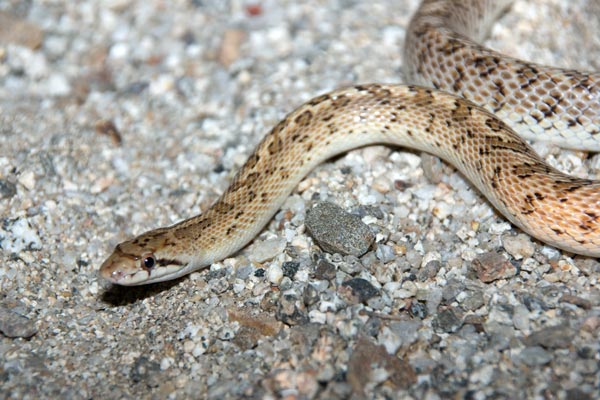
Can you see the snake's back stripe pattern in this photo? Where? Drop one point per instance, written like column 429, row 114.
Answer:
column 539, row 102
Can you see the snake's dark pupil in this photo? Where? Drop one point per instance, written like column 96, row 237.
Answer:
column 148, row 262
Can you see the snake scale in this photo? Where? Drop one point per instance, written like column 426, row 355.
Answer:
column 484, row 142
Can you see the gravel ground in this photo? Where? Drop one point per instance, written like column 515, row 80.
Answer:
column 118, row 116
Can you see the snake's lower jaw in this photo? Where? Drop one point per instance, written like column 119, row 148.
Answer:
column 124, row 278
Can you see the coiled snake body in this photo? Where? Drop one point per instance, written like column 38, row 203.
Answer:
column 538, row 102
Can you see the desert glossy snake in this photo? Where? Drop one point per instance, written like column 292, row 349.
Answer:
column 538, row 102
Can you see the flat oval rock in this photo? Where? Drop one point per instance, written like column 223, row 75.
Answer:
column 14, row 325
column 337, row 231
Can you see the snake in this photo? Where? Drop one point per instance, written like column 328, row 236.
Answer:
column 466, row 104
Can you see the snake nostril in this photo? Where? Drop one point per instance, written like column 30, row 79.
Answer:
column 117, row 275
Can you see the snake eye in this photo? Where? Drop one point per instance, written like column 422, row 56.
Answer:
column 149, row 262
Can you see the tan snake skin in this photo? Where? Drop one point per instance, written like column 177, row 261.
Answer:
column 539, row 102
column 558, row 209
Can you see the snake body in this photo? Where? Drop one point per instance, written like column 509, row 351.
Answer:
column 556, row 208
column 539, row 102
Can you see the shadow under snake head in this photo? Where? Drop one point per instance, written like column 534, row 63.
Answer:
column 148, row 258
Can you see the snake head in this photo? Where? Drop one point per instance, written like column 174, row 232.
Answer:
column 143, row 260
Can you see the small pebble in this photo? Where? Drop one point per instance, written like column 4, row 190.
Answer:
column 262, row 251
column 398, row 334
column 275, row 273
column 385, row 253
column 575, row 300
column 447, row 321
column 492, row 266
column 18, row 235
column 520, row 318
column 519, row 246
column 7, row 189
column 418, row 310
column 337, row 231
column 291, row 311
column 552, row 337
column 429, row 270
column 311, row 295
column 534, row 356
column 290, row 268
column 14, row 325
column 473, row 300
column 325, row 270
column 357, row 290
column 27, row 179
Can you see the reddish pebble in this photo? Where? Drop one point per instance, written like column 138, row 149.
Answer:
column 254, row 9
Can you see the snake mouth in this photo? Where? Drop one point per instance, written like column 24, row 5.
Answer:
column 139, row 277
column 123, row 269
column 119, row 277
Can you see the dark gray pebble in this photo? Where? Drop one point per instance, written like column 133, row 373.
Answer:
column 429, row 271
column 325, row 270
column 337, row 231
column 552, row 337
column 447, row 321
column 358, row 290
column 15, row 325
column 291, row 311
column 7, row 189
column 310, row 295
column 290, row 268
